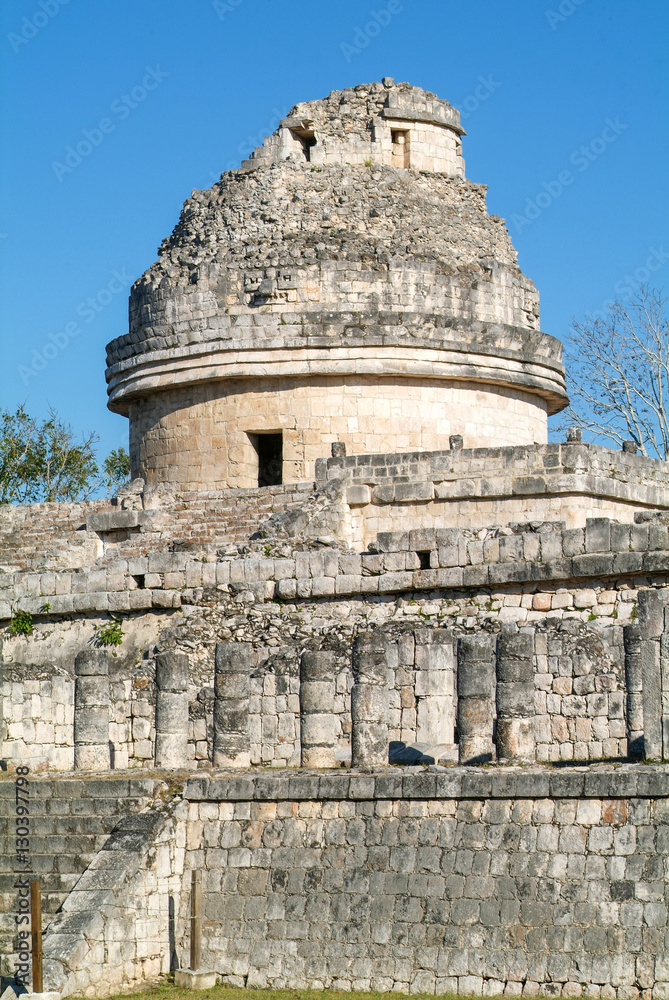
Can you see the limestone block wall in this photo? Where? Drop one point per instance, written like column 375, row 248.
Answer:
column 478, row 487
column 579, row 688
column 422, row 668
column 274, row 708
column 50, row 549
column 578, row 710
column 601, row 565
column 59, row 550
column 487, row 304
column 69, row 821
column 478, row 513
column 117, row 926
column 430, row 131
column 522, row 881
column 203, row 435
column 43, row 532
column 38, row 716
column 422, row 145
column 39, row 722
column 469, row 882
column 580, row 696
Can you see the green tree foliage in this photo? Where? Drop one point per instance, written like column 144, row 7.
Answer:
column 43, row 461
column 116, row 467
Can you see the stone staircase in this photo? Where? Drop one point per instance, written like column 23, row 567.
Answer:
column 190, row 520
column 49, row 537
column 32, row 534
column 70, row 819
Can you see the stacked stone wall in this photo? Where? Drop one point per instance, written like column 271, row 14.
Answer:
column 479, row 487
column 354, row 127
column 580, row 695
column 523, row 881
column 531, row 883
column 69, row 820
column 265, row 229
column 53, row 537
column 35, row 533
column 539, row 556
column 460, row 310
column 66, row 551
column 578, row 710
column 203, row 434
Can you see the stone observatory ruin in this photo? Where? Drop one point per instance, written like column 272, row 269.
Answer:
column 357, row 651
column 333, row 289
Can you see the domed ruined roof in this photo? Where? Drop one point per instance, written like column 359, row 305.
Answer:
column 353, row 223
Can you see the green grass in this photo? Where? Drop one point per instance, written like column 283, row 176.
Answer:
column 167, row 991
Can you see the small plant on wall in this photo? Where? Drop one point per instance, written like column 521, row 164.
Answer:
column 21, row 623
column 109, row 634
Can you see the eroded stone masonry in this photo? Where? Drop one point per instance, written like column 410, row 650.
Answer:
column 393, row 671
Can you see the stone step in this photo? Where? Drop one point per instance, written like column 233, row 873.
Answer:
column 71, row 818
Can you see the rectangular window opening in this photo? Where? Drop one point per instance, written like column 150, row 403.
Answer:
column 424, row 559
column 269, row 449
column 400, row 147
column 307, row 140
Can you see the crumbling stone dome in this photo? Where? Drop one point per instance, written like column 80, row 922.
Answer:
column 345, row 284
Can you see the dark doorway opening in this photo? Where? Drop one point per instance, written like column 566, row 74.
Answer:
column 269, row 449
column 307, row 140
column 308, row 143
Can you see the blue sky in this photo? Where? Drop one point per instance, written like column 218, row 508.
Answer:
column 565, row 105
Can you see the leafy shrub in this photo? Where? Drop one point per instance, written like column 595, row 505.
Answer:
column 21, row 623
column 110, row 634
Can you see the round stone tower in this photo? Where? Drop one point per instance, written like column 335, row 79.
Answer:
column 345, row 284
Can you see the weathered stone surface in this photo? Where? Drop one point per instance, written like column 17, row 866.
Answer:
column 275, row 272
column 315, row 624
column 91, row 710
column 515, row 702
column 475, row 680
column 172, row 672
column 231, row 705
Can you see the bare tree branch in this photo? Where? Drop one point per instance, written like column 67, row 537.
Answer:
column 618, row 374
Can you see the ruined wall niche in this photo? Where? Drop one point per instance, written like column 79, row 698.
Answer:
column 401, row 155
column 306, row 139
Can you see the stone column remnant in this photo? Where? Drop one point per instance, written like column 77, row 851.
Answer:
column 231, row 704
column 651, row 624
column 171, row 748
column 433, row 686
column 515, row 696
column 476, row 684
column 318, row 724
column 369, row 701
column 634, row 689
column 91, row 710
